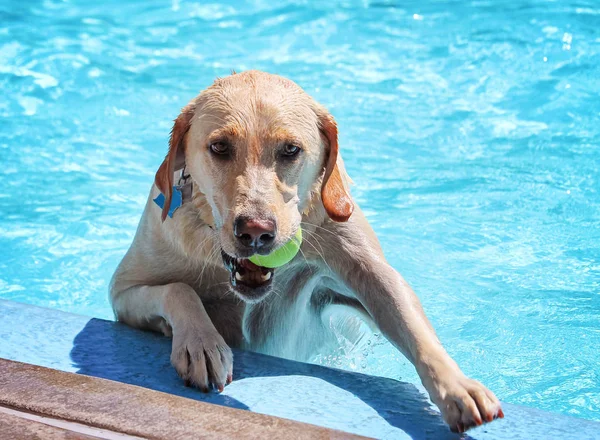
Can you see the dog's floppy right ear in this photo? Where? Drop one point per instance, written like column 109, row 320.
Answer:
column 336, row 200
column 175, row 159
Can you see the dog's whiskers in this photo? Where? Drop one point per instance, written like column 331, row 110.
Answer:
column 316, row 250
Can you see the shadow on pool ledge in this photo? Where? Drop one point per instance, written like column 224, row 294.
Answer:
column 314, row 394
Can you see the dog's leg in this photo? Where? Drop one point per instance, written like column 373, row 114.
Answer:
column 199, row 353
column 352, row 251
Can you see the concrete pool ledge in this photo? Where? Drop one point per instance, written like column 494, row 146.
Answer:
column 270, row 389
column 101, row 408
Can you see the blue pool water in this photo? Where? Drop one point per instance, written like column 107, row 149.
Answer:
column 471, row 129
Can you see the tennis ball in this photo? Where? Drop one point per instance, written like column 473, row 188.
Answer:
column 280, row 256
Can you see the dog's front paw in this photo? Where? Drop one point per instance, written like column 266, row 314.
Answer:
column 464, row 403
column 202, row 358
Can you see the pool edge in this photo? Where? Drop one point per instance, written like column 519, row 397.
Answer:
column 303, row 393
column 135, row 411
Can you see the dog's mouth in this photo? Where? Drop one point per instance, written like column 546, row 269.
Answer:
column 247, row 279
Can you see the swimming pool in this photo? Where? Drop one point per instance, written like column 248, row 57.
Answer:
column 470, row 129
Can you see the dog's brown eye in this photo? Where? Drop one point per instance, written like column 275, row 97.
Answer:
column 219, row 148
column 290, row 150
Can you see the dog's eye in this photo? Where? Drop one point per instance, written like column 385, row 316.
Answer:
column 290, row 150
column 219, row 148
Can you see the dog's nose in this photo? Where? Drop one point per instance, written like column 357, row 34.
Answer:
column 254, row 233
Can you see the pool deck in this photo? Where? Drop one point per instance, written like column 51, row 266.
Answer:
column 133, row 392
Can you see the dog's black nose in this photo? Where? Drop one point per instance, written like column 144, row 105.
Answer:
column 254, row 233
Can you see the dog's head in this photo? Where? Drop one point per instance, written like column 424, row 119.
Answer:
column 261, row 151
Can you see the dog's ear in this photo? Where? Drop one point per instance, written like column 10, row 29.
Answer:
column 335, row 197
column 175, row 159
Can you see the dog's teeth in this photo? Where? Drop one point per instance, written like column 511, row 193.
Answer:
column 238, row 276
column 266, row 277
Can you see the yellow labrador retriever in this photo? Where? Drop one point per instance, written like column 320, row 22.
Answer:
column 252, row 159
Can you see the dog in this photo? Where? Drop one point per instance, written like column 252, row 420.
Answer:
column 252, row 159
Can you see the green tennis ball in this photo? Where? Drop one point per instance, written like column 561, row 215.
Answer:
column 280, row 256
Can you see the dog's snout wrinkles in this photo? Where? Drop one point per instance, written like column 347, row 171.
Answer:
column 254, row 233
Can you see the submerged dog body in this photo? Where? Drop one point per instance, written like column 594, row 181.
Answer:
column 262, row 159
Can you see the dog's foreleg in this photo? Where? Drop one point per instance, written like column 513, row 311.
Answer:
column 353, row 253
column 199, row 353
